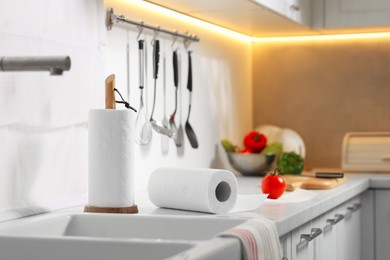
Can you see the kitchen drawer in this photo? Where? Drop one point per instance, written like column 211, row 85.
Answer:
column 301, row 248
column 334, row 235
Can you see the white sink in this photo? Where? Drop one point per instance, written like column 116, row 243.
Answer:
column 50, row 248
column 124, row 226
column 113, row 236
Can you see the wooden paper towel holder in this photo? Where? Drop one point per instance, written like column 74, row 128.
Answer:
column 122, row 210
column 110, row 104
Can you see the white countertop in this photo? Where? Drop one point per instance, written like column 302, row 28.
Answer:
column 287, row 216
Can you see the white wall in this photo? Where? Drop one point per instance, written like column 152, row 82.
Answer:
column 43, row 119
column 222, row 91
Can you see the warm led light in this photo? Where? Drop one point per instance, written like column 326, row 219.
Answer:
column 190, row 20
column 329, row 37
column 243, row 37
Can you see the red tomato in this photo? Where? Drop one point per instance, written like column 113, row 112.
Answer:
column 273, row 185
column 255, row 141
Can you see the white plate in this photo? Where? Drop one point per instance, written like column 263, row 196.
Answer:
column 291, row 141
column 298, row 195
column 268, row 130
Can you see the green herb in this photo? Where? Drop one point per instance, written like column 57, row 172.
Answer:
column 290, row 163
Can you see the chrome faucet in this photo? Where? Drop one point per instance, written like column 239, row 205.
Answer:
column 55, row 64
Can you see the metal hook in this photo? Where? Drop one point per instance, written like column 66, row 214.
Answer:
column 156, row 31
column 187, row 41
column 174, row 39
column 140, row 29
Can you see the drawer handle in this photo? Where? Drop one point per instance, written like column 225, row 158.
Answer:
column 355, row 207
column 306, row 238
column 337, row 218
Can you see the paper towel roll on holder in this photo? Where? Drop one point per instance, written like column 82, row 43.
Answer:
column 110, row 103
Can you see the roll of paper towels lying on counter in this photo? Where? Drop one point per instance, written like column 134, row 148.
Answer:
column 204, row 190
column 111, row 166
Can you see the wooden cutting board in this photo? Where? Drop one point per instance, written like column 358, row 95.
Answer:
column 310, row 183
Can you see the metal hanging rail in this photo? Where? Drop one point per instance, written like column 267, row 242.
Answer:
column 112, row 18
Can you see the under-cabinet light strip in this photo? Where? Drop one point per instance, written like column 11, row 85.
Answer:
column 323, row 37
column 243, row 37
column 191, row 20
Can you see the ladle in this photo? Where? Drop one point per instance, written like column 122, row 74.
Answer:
column 143, row 131
column 172, row 117
column 157, row 126
column 190, row 132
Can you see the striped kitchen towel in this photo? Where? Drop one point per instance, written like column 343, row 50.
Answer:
column 259, row 239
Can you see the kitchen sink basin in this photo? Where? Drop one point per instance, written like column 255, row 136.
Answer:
column 49, row 248
column 125, row 226
column 112, row 236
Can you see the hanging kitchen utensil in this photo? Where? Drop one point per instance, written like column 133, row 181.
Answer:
column 172, row 117
column 189, row 130
column 164, row 139
column 128, row 66
column 157, row 126
column 143, row 131
column 180, row 132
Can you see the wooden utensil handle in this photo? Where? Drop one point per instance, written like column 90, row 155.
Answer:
column 110, row 96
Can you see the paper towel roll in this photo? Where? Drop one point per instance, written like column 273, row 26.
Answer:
column 111, row 167
column 205, row 190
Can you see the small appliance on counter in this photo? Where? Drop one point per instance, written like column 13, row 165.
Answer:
column 366, row 152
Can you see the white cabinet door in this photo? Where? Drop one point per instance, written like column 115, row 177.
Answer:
column 382, row 224
column 351, row 13
column 285, row 242
column 303, row 241
column 296, row 10
column 300, row 11
column 348, row 232
column 367, row 226
column 325, row 248
column 352, row 230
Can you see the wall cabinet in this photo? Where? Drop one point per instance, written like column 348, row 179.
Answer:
column 287, row 17
column 295, row 10
column 350, row 13
column 250, row 17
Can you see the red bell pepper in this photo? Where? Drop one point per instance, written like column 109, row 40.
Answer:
column 255, row 141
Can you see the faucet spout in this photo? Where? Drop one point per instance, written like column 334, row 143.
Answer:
column 54, row 64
